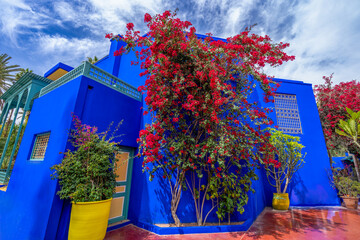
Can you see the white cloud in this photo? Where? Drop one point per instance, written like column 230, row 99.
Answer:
column 323, row 34
column 66, row 11
column 69, row 51
column 17, row 18
column 114, row 14
column 326, row 41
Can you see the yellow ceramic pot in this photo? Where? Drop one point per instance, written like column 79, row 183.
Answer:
column 281, row 201
column 89, row 220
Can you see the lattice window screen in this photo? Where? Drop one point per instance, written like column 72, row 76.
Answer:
column 287, row 113
column 40, row 146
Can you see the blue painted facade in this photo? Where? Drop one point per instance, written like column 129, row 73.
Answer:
column 310, row 186
column 30, row 208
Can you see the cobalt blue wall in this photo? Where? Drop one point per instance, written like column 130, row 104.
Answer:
column 103, row 105
column 26, row 205
column 111, row 63
column 30, row 209
column 99, row 106
column 310, row 186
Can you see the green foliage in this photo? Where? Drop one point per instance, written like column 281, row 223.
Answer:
column 289, row 159
column 232, row 193
column 348, row 187
column 22, row 72
column 87, row 173
column 9, row 149
column 345, row 182
column 92, row 60
column 6, row 72
column 350, row 128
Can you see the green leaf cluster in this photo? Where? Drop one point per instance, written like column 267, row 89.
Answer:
column 288, row 159
column 345, row 183
column 87, row 173
column 350, row 128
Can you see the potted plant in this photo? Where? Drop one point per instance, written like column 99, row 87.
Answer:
column 348, row 188
column 350, row 128
column 285, row 160
column 86, row 177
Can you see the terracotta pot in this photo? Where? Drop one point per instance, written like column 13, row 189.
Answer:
column 281, row 201
column 350, row 202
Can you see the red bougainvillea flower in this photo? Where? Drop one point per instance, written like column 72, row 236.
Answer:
column 197, row 91
column 130, row 26
column 332, row 101
column 147, row 17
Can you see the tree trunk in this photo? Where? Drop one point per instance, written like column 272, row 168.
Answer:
column 175, row 198
column 356, row 164
column 330, row 157
column 174, row 206
column 286, row 184
column 175, row 217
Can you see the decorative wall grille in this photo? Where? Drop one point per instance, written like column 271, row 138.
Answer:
column 40, row 146
column 287, row 113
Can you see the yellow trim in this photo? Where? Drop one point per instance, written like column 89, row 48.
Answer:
column 57, row 74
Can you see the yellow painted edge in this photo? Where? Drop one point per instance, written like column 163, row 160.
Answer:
column 57, row 74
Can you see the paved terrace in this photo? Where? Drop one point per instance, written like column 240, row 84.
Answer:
column 298, row 223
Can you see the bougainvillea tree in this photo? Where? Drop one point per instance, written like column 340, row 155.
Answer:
column 332, row 101
column 205, row 134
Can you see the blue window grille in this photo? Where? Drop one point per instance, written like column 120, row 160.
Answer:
column 287, row 113
column 40, row 145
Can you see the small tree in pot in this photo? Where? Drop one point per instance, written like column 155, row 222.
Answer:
column 287, row 160
column 86, row 177
column 347, row 186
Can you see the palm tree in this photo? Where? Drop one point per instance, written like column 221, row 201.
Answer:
column 92, row 60
column 7, row 77
column 22, row 72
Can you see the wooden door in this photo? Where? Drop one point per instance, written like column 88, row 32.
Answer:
column 120, row 202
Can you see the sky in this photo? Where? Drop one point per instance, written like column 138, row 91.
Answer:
column 324, row 35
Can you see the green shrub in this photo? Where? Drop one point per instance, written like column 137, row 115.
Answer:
column 87, row 173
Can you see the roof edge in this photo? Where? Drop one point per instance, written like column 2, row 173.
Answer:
column 56, row 67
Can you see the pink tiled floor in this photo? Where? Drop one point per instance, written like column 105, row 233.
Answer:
column 326, row 223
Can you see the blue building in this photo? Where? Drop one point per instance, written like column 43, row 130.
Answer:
column 106, row 92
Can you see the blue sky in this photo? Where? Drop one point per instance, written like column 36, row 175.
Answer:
column 324, row 35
